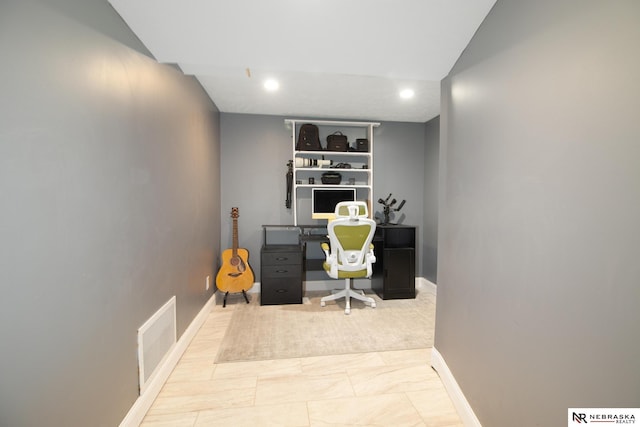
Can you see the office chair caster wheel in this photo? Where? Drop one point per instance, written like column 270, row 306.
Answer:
column 373, row 304
column 322, row 303
column 347, row 311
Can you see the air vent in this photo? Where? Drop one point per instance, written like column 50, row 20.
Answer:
column 156, row 338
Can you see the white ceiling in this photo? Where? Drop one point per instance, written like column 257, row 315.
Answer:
column 341, row 59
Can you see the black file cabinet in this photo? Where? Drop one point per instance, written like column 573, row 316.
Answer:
column 394, row 272
column 281, row 266
column 281, row 275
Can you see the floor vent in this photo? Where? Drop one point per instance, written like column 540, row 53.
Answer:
column 156, row 337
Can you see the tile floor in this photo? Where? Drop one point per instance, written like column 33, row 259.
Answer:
column 395, row 388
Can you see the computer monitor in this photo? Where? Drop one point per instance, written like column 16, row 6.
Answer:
column 324, row 201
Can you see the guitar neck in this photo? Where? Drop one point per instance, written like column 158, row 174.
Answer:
column 235, row 237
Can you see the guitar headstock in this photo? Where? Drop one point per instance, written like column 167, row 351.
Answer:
column 235, row 213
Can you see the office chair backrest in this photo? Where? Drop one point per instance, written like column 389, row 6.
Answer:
column 343, row 209
column 350, row 238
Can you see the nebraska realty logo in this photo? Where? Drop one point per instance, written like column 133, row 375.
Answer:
column 580, row 416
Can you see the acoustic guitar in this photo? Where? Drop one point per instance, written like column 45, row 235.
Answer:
column 235, row 274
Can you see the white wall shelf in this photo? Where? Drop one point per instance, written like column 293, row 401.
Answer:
column 361, row 162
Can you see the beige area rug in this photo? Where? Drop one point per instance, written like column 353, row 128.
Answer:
column 300, row 330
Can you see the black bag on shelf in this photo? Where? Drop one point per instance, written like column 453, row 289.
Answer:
column 362, row 144
column 333, row 178
column 337, row 142
column 308, row 138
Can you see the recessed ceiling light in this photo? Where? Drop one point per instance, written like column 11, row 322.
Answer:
column 271, row 85
column 407, row 93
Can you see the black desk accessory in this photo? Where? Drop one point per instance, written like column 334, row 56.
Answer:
column 388, row 208
column 289, row 176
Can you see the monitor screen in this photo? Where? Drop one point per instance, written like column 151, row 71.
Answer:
column 324, row 201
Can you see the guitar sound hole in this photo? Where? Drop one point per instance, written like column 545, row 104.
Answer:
column 238, row 263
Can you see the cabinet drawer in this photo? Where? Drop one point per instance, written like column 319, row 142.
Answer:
column 284, row 258
column 284, row 270
column 281, row 291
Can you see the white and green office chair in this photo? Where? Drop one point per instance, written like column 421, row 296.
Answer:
column 349, row 254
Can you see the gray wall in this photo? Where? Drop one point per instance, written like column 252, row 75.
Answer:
column 430, row 209
column 109, row 188
column 256, row 148
column 399, row 169
column 538, row 273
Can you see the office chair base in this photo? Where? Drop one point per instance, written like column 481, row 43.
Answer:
column 347, row 293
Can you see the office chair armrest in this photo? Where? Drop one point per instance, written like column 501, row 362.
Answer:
column 371, row 257
column 331, row 260
column 325, row 248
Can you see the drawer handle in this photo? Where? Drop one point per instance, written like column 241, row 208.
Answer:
column 281, row 291
column 282, row 271
column 282, row 258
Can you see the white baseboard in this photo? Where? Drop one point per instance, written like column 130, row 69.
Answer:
column 142, row 404
column 255, row 289
column 465, row 411
column 426, row 285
